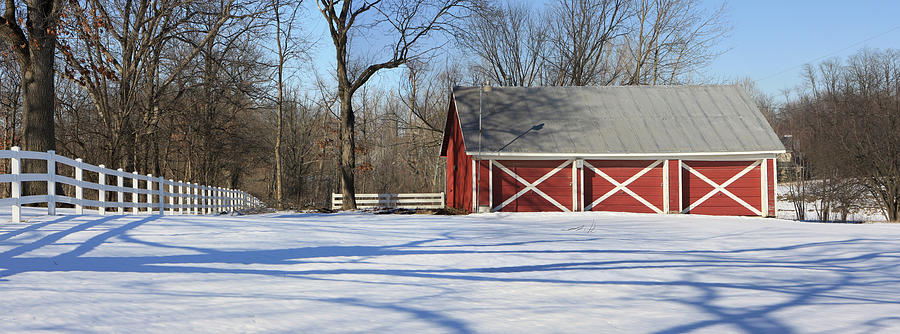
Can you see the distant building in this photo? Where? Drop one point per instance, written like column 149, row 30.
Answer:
column 662, row 149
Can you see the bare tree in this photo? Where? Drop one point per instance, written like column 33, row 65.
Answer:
column 117, row 52
column 10, row 99
column 286, row 49
column 584, row 37
column 669, row 38
column 407, row 24
column 510, row 40
column 34, row 50
column 765, row 102
column 848, row 118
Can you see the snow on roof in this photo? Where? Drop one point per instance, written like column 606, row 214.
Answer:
column 613, row 119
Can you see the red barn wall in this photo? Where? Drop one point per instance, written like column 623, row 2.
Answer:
column 459, row 165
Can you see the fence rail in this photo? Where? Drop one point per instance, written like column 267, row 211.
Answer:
column 400, row 201
column 182, row 197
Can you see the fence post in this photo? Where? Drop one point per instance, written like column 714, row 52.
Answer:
column 51, row 183
column 202, row 205
column 149, row 194
column 180, row 197
column 120, row 181
column 189, row 190
column 226, row 193
column 442, row 200
column 101, row 192
column 79, row 191
column 161, row 186
column 231, row 200
column 226, row 205
column 134, row 195
column 16, row 167
column 220, row 203
column 196, row 200
column 208, row 206
column 172, row 198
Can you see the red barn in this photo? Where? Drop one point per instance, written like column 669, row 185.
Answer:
column 653, row 149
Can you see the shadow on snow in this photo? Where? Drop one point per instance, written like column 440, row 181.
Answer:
column 833, row 273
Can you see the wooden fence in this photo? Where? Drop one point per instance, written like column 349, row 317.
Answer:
column 400, row 201
column 144, row 194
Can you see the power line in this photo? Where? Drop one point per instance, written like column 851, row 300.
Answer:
column 831, row 54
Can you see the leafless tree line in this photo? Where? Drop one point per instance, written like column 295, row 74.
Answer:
column 593, row 42
column 208, row 91
column 844, row 125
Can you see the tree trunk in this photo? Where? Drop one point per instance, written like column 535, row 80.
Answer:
column 348, row 156
column 279, row 192
column 890, row 196
column 39, row 99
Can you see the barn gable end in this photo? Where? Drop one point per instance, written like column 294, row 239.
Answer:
column 459, row 164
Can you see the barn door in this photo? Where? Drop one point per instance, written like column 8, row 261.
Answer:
column 531, row 185
column 734, row 188
column 624, row 185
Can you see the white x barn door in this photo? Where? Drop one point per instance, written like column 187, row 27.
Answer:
column 750, row 188
column 530, row 186
column 623, row 186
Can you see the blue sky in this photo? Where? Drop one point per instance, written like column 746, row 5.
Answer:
column 771, row 40
column 769, row 43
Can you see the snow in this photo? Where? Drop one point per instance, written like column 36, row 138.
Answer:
column 485, row 273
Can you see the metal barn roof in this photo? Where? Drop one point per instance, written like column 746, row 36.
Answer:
column 613, row 120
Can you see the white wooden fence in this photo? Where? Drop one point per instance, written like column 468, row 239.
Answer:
column 401, row 201
column 181, row 197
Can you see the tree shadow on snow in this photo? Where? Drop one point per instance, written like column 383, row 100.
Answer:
column 33, row 227
column 835, row 271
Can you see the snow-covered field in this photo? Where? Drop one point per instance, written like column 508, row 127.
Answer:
column 488, row 273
